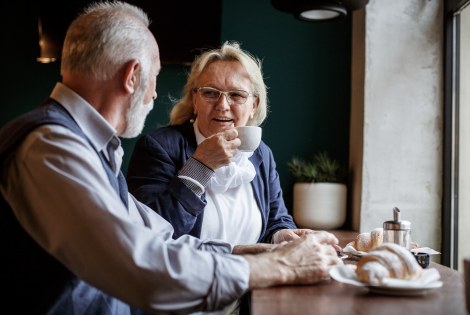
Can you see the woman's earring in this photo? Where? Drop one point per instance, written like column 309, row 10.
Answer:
column 194, row 117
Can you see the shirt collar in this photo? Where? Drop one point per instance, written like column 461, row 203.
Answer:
column 95, row 127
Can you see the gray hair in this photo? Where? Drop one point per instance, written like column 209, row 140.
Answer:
column 104, row 37
column 183, row 110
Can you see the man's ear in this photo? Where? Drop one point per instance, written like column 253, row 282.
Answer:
column 132, row 72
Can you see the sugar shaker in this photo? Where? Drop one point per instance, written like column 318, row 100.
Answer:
column 397, row 231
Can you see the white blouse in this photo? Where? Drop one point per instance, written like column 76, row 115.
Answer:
column 231, row 214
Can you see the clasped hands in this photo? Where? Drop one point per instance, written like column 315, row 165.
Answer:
column 301, row 257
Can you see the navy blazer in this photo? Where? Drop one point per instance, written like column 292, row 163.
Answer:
column 152, row 179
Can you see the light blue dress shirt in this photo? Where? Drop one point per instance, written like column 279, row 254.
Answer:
column 79, row 218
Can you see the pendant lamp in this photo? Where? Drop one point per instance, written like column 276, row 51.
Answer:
column 318, row 10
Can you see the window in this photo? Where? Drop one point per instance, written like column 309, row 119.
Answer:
column 456, row 214
column 464, row 138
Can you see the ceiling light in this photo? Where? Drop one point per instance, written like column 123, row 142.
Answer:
column 318, row 10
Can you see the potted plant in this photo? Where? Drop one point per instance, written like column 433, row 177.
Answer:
column 319, row 191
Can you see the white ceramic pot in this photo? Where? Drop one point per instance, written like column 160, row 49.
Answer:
column 319, row 206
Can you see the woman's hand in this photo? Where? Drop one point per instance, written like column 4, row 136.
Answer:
column 217, row 150
column 287, row 235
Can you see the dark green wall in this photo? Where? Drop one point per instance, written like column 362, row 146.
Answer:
column 306, row 68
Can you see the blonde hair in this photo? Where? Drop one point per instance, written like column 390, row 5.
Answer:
column 183, row 110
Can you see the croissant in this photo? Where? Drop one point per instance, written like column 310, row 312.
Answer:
column 367, row 241
column 388, row 260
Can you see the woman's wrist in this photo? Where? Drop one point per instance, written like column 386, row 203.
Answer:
column 195, row 175
column 274, row 237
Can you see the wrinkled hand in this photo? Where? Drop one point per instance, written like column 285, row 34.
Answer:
column 217, row 150
column 305, row 260
column 290, row 235
column 287, row 235
column 254, row 248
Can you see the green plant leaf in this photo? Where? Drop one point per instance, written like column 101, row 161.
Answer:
column 320, row 168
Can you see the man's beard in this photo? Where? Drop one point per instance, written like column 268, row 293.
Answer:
column 135, row 117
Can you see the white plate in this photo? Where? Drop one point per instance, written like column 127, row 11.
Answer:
column 428, row 281
column 400, row 291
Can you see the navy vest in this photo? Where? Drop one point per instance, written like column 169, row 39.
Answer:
column 33, row 281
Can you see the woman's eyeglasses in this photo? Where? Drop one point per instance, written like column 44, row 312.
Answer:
column 212, row 95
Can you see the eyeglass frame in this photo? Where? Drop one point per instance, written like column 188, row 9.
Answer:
column 225, row 93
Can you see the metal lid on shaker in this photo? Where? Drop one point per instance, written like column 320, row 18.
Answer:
column 397, row 223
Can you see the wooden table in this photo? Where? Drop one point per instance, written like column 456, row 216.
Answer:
column 334, row 298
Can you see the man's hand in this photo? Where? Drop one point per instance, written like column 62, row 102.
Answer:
column 303, row 261
column 254, row 248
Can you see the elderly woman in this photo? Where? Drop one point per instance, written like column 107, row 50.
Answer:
column 191, row 172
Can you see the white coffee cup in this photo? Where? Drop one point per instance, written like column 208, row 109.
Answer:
column 250, row 137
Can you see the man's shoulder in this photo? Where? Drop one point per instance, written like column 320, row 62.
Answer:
column 49, row 113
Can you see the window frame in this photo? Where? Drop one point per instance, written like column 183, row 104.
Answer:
column 450, row 213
